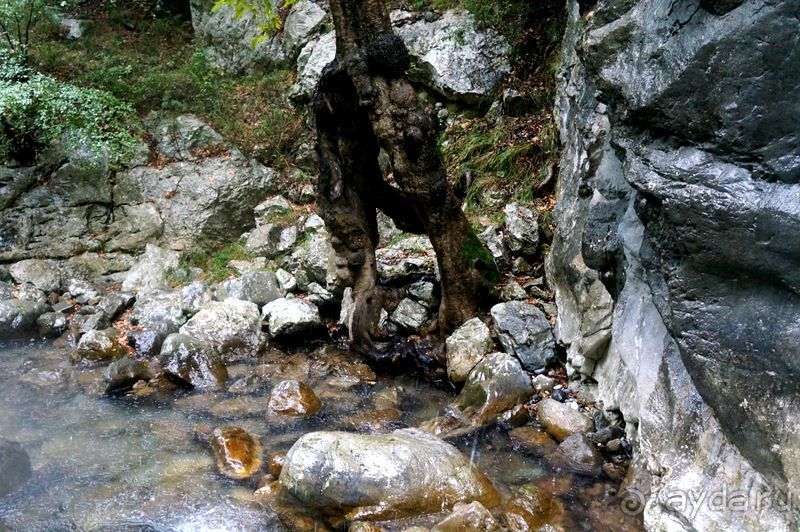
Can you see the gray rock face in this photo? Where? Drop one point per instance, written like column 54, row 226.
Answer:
column 182, row 137
column 451, row 56
column 151, row 273
column 466, row 347
column 410, row 315
column 229, row 40
column 524, row 331
column 15, row 466
column 291, row 317
column 673, row 293
column 43, row 274
column 227, row 326
column 193, row 360
column 409, row 471
column 98, row 346
column 257, row 287
column 522, row 229
column 18, row 318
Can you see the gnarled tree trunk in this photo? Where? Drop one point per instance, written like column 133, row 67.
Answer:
column 364, row 102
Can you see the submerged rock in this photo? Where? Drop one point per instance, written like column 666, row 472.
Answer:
column 531, row 508
column 561, row 421
column 15, row 466
column 193, row 360
column 472, row 517
column 236, row 453
column 406, row 472
column 122, row 374
column 293, row 398
column 579, row 455
column 524, row 332
column 466, row 347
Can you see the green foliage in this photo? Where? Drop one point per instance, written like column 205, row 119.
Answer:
column 477, row 256
column 38, row 110
column 264, row 14
column 18, row 18
column 215, row 264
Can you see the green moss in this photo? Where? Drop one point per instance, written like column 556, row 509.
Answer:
column 477, row 256
column 216, row 264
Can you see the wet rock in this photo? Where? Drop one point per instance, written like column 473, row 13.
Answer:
column 238, row 407
column 561, row 421
column 151, row 272
column 375, row 420
column 257, row 287
column 95, row 321
column 230, row 326
column 543, row 383
column 293, row 398
column 28, row 292
column 122, row 374
column 275, row 463
column 18, row 318
column 83, row 291
column 291, row 318
column 146, row 343
column 99, row 346
column 193, row 360
column 452, row 55
column 532, row 440
column 194, row 297
column 237, row 454
column 15, row 466
column 472, row 517
column 524, row 331
column 113, row 304
column 52, row 324
column 466, row 347
column 529, row 509
column 579, row 455
column 160, row 312
column 495, row 384
column 43, row 274
column 522, row 229
column 408, row 472
column 410, row 315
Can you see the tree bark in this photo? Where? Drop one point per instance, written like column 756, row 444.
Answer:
column 364, row 102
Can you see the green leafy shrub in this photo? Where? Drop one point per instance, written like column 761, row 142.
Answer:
column 37, row 110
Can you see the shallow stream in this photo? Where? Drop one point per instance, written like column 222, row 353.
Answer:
column 142, row 464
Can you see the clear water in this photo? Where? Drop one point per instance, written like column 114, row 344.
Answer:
column 123, row 464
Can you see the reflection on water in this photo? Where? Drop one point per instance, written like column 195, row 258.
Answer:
column 122, row 464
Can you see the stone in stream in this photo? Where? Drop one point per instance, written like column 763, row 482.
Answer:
column 561, row 421
column 524, row 331
column 531, row 508
column 496, row 384
column 227, row 326
column 466, row 347
column 98, row 346
column 236, row 453
column 293, row 398
column 532, row 440
column 18, row 318
column 193, row 360
column 577, row 454
column 15, row 466
column 291, row 318
column 406, row 472
column 472, row 517
column 275, row 463
column 52, row 324
column 122, row 374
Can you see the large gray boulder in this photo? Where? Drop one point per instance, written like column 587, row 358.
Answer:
column 449, row 55
column 151, row 273
column 18, row 318
column 259, row 287
column 43, row 274
column 524, row 331
column 466, row 347
column 227, row 326
column 674, row 275
column 194, row 360
column 407, row 471
column 291, row 318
